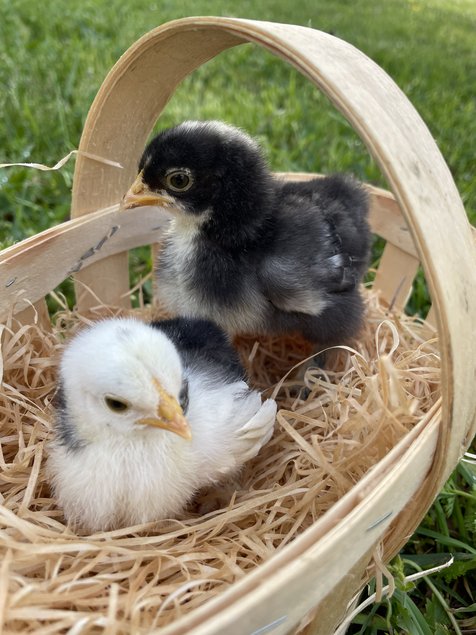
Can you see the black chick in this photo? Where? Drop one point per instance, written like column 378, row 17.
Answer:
column 247, row 250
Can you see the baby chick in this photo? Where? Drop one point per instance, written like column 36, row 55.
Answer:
column 148, row 414
column 253, row 253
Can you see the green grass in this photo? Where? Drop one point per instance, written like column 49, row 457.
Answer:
column 53, row 58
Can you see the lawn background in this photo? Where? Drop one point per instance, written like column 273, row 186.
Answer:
column 53, row 58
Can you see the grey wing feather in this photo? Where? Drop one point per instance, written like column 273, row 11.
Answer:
column 321, row 247
column 289, row 285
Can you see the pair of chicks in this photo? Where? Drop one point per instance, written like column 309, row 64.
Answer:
column 150, row 413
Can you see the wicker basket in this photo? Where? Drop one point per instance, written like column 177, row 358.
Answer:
column 424, row 224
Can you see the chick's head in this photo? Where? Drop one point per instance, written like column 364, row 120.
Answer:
column 120, row 377
column 202, row 169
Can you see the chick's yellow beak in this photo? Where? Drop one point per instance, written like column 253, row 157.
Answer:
column 139, row 195
column 169, row 415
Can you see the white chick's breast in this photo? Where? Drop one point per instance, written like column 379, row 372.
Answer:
column 121, row 482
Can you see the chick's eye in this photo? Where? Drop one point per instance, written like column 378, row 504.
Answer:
column 115, row 404
column 179, row 180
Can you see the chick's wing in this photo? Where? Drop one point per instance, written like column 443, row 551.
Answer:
column 291, row 284
column 320, row 244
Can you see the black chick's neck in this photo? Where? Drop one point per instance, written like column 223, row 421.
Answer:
column 242, row 213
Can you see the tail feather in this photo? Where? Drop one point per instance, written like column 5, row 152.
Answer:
column 256, row 432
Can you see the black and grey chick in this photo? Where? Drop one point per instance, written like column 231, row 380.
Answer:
column 247, row 250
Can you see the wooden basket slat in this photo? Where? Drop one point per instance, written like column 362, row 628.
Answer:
column 36, row 266
column 323, row 621
column 387, row 221
column 395, row 275
column 105, row 284
column 39, row 264
column 431, row 317
column 37, row 313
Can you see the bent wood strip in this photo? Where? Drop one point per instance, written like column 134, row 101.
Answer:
column 325, row 621
column 108, row 284
column 35, row 266
column 431, row 317
column 298, row 578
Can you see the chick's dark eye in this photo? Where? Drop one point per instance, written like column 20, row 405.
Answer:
column 115, row 404
column 179, row 180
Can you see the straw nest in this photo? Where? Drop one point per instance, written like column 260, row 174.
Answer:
column 141, row 578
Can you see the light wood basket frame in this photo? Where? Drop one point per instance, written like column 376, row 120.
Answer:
column 424, row 222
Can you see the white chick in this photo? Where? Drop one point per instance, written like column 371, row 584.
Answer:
column 125, row 451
